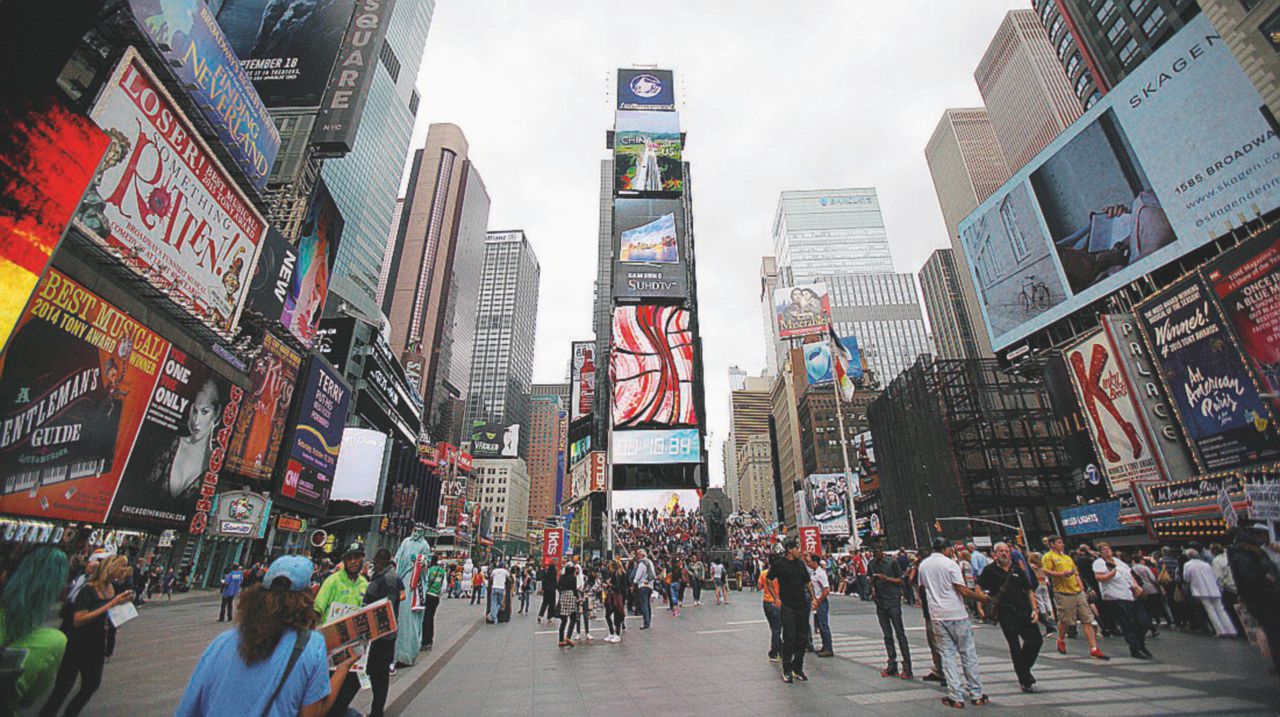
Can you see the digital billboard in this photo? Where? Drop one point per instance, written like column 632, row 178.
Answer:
column 817, row 363
column 317, row 248
column 188, row 37
column 802, row 309
column 582, row 377
column 316, row 440
column 649, row 241
column 1247, row 283
column 646, row 152
column 646, row 90
column 343, row 103
column 359, row 468
column 255, row 444
column 489, row 440
column 288, row 48
column 48, row 154
column 1226, row 421
column 651, row 367
column 826, row 503
column 1132, row 185
column 682, row 445
column 1119, row 436
column 163, row 203
column 272, row 279
column 1089, row 519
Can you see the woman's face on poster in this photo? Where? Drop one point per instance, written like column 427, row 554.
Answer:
column 204, row 412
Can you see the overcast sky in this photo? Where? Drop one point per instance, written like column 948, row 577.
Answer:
column 773, row 96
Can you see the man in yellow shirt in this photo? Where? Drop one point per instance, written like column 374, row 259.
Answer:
column 1068, row 596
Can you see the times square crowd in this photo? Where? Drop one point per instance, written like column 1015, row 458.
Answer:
column 274, row 661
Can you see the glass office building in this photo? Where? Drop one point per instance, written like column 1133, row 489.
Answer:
column 829, row 231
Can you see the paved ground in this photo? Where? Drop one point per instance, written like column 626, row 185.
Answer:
column 711, row 661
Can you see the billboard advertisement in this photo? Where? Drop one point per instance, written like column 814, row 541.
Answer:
column 646, row 90
column 552, row 545
column 240, row 514
column 163, row 203
column 272, row 276
column 826, row 503
column 343, row 103
column 682, row 445
column 288, row 48
column 582, row 378
column 188, row 37
column 255, row 444
column 646, row 152
column 489, row 440
column 1132, row 185
column 359, row 468
column 1247, row 283
column 172, row 472
column 48, row 155
column 1225, row 420
column 598, row 465
column 1089, row 519
column 818, row 366
column 317, row 248
column 802, row 310
column 316, row 440
column 651, row 367
column 1119, row 437
column 75, row 383
column 648, row 241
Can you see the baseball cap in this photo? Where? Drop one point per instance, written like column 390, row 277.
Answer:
column 353, row 549
column 294, row 568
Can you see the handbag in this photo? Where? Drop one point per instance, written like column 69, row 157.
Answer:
column 299, row 644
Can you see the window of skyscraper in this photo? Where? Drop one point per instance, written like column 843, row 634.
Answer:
column 1129, row 50
column 1105, row 11
column 1117, row 28
column 1153, row 21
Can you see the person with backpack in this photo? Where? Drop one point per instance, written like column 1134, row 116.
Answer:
column 274, row 664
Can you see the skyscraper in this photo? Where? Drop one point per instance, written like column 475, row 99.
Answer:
column 769, row 282
column 384, row 277
column 434, row 274
column 829, row 231
column 967, row 166
column 364, row 184
column 506, row 319
column 749, row 408
column 949, row 317
column 1252, row 31
column 602, row 311
column 882, row 311
column 547, row 469
column 1024, row 88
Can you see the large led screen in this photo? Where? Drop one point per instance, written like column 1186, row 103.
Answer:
column 655, row 447
column 317, row 247
column 652, row 90
column 1174, row 156
column 648, row 244
column 646, row 152
column 651, row 367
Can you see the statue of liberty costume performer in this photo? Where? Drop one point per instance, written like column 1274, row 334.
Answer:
column 412, row 559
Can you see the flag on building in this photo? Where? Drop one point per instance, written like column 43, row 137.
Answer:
column 844, row 364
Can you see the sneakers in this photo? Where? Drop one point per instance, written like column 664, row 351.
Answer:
column 933, row 677
column 612, row 638
column 589, row 637
column 786, row 677
column 983, row 700
column 1096, row 654
column 889, row 672
column 955, row 704
column 1062, row 646
column 800, row 675
column 773, row 657
column 906, row 675
column 825, row 653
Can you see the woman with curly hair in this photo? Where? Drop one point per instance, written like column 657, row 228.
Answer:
column 273, row 663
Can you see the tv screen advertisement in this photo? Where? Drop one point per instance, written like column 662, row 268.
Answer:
column 317, row 248
column 646, row 90
column 316, row 441
column 649, row 241
column 646, row 152
column 683, row 445
column 163, row 203
column 802, row 310
column 1130, row 186
column 582, row 373
column 817, row 363
column 651, row 367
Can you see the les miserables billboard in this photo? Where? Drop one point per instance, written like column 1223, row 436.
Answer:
column 99, row 416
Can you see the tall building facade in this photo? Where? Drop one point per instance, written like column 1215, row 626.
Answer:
column 365, row 183
column 393, row 233
column 1252, row 31
column 817, row 232
column 602, row 309
column 506, row 320
column 769, row 282
column 954, row 334
column 501, row 487
column 559, row 390
column 883, row 312
column 967, row 166
column 433, row 278
column 1025, row 88
column 547, row 470
column 755, row 477
column 749, row 408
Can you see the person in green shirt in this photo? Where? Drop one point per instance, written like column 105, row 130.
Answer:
column 343, row 587
column 24, row 603
column 431, row 601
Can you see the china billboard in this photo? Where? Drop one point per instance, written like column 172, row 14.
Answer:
column 188, row 37
column 48, row 155
column 646, row 152
column 651, row 367
column 582, row 373
column 255, row 443
column 164, row 205
column 802, row 309
column 1247, row 283
column 646, row 90
column 1132, row 185
column 314, row 445
column 1226, row 422
column 1119, row 436
column 649, row 241
column 288, row 48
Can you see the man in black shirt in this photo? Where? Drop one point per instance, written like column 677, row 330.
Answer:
column 886, row 586
column 794, row 592
column 1006, row 587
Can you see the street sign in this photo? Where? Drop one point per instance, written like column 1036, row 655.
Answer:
column 318, row 538
column 982, row 541
column 811, row 540
column 1264, row 500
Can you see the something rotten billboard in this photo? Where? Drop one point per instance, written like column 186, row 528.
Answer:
column 287, row 47
column 582, row 389
column 260, row 427
column 189, row 38
column 1226, row 421
column 646, row 152
column 163, row 203
column 1132, row 185
column 48, row 155
column 1247, row 283
column 802, row 309
column 651, row 367
column 646, row 90
column 91, row 401
column 648, row 239
column 316, row 440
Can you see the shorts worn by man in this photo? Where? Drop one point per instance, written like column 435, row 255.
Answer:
column 1069, row 600
column 943, row 582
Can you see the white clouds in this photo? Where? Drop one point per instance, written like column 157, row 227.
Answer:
column 774, row 96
